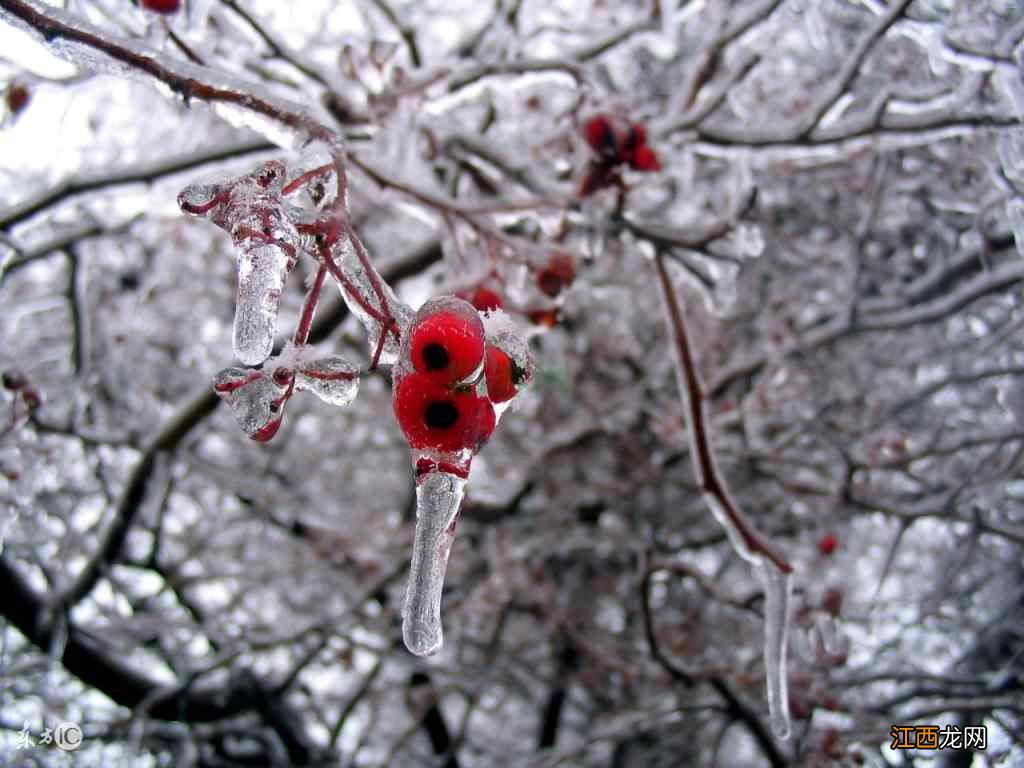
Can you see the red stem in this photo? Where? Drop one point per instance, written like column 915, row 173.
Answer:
column 297, row 182
column 693, row 397
column 309, row 306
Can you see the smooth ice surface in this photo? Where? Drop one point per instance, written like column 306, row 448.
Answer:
column 438, row 497
column 261, row 275
column 736, row 538
column 778, row 587
column 362, row 277
column 250, row 395
column 333, row 379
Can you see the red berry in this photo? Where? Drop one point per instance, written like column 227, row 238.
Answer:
column 17, row 98
column 557, row 275
column 544, row 317
column 827, row 544
column 500, row 373
column 600, row 135
column 644, row 159
column 832, row 602
column 161, row 6
column 486, row 300
column 432, row 417
column 448, row 344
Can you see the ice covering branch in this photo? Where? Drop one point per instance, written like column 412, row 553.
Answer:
column 773, row 569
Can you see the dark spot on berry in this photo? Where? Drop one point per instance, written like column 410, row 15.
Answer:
column 129, row 281
column 441, row 414
column 436, row 357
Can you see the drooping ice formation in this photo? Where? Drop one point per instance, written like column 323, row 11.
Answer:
column 250, row 210
column 438, row 498
column 449, row 381
column 777, row 590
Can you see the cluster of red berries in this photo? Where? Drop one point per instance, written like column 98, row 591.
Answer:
column 438, row 400
column 616, row 142
column 551, row 278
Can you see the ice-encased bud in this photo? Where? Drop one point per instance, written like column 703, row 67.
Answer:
column 438, row 498
column 255, row 399
column 200, row 199
column 333, row 379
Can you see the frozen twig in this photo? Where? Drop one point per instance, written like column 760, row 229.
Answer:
column 773, row 569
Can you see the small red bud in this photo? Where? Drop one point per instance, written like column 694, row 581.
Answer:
column 557, row 275
column 644, row 159
column 18, row 97
column 827, row 544
column 161, row 6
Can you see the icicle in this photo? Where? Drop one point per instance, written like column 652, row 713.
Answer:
column 777, row 589
column 438, row 498
column 261, row 276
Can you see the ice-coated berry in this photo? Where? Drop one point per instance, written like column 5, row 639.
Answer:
column 557, row 275
column 499, row 370
column 616, row 142
column 827, row 544
column 432, row 417
column 600, row 135
column 17, row 98
column 161, row 6
column 448, row 344
column 644, row 159
column 486, row 300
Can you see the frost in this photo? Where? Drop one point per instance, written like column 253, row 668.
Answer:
column 438, row 498
column 778, row 587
